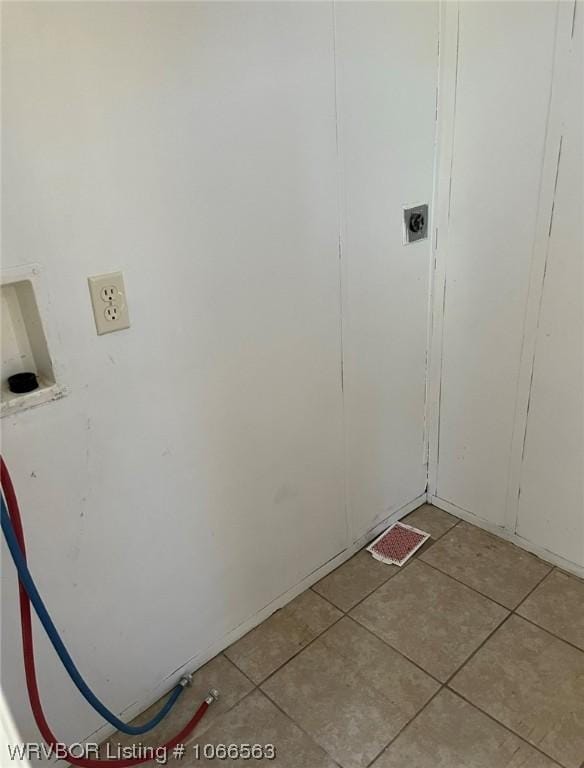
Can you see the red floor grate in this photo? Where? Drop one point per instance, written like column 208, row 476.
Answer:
column 396, row 545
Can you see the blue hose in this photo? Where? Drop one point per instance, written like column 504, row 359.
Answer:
column 27, row 581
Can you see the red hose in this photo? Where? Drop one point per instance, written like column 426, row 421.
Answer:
column 29, row 663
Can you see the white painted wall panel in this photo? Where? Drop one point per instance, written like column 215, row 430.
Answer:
column 387, row 74
column 194, row 473
column 503, row 87
column 551, row 503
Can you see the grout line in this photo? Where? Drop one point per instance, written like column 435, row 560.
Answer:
column 442, row 684
column 403, row 728
column 548, row 632
column 511, row 612
column 414, row 557
column 343, row 615
column 325, row 598
column 229, row 709
column 473, row 704
column 483, row 594
column 506, row 727
column 298, row 652
column 431, row 541
column 427, row 674
column 532, row 590
column 563, row 572
column 347, row 612
column 397, row 650
column 257, row 689
column 255, row 685
column 395, row 573
column 446, row 684
column 502, row 534
column 347, row 616
column 540, row 626
column 464, row 584
column 478, row 648
column 292, row 720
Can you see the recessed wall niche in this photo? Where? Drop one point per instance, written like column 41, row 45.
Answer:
column 24, row 341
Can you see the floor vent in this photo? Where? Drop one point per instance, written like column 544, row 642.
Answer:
column 397, row 544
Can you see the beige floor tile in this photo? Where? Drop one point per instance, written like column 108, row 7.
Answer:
column 354, row 580
column 286, row 632
column 430, row 618
column 362, row 574
column 256, row 721
column 218, row 673
column 558, row 605
column 450, row 733
column 350, row 692
column 431, row 520
column 534, row 684
column 486, row 563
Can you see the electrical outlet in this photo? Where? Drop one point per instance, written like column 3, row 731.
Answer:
column 112, row 313
column 109, row 293
column 108, row 298
column 415, row 226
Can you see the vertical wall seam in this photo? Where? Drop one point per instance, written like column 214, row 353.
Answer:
column 555, row 191
column 448, row 65
column 456, row 70
column 451, row 174
column 345, row 463
column 538, row 320
column 523, row 393
column 433, row 242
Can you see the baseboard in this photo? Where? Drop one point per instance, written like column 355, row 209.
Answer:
column 514, row 538
column 231, row 637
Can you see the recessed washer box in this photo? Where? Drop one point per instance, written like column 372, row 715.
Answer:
column 24, row 340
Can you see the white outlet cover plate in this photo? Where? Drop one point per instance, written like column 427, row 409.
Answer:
column 108, row 298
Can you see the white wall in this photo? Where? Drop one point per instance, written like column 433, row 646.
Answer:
column 195, row 472
column 551, row 501
column 387, row 52
column 499, row 131
column 507, row 446
column 245, row 165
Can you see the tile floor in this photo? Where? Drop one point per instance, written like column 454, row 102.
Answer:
column 470, row 656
